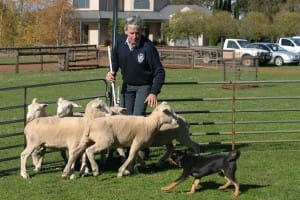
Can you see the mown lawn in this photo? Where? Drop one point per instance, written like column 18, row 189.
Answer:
column 265, row 170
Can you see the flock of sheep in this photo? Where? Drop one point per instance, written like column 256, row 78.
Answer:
column 101, row 127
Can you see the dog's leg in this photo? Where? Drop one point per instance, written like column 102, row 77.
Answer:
column 194, row 186
column 236, row 188
column 226, row 185
column 230, row 182
column 174, row 184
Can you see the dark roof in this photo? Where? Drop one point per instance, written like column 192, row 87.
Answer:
column 162, row 15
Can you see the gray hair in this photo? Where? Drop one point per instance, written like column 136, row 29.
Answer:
column 134, row 21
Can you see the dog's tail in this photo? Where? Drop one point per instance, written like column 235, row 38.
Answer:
column 233, row 155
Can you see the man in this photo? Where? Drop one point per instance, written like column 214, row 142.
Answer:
column 142, row 72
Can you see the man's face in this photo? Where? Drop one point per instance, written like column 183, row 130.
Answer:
column 133, row 35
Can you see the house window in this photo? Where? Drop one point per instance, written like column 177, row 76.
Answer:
column 81, row 3
column 141, row 4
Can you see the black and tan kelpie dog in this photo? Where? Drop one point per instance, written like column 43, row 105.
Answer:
column 200, row 166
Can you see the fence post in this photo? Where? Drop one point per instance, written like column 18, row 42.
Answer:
column 233, row 131
column 41, row 60
column 66, row 63
column 18, row 60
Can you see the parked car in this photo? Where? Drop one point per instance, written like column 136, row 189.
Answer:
column 244, row 51
column 290, row 44
column 280, row 56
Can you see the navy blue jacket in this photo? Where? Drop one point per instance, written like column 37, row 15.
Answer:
column 140, row 66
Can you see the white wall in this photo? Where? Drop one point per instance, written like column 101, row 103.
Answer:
column 93, row 37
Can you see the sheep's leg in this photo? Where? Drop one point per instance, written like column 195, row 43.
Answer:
column 84, row 168
column 103, row 156
column 64, row 156
column 38, row 157
column 24, row 156
column 73, row 154
column 121, row 152
column 90, row 152
column 132, row 154
column 166, row 155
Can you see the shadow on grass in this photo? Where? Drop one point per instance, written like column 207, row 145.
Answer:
column 113, row 163
column 210, row 185
column 243, row 187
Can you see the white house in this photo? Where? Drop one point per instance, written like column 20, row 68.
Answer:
column 94, row 17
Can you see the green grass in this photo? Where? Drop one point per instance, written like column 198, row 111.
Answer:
column 265, row 171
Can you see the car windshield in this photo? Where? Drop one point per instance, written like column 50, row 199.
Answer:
column 275, row 47
column 245, row 44
column 297, row 41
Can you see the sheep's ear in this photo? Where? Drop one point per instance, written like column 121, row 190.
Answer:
column 164, row 103
column 60, row 99
column 118, row 110
column 75, row 105
column 166, row 127
column 44, row 105
column 122, row 110
column 34, row 100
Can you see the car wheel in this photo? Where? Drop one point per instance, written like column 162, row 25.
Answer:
column 247, row 61
column 278, row 61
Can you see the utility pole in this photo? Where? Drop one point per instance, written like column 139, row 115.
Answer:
column 99, row 25
column 115, row 22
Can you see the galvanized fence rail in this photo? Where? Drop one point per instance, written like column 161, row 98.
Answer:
column 13, row 117
column 236, row 112
column 223, row 115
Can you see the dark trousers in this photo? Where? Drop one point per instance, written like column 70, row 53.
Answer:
column 133, row 97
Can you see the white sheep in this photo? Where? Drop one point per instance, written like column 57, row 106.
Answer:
column 59, row 133
column 95, row 108
column 35, row 110
column 131, row 131
column 180, row 133
column 65, row 108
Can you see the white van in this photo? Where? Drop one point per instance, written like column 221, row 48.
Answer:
column 290, row 43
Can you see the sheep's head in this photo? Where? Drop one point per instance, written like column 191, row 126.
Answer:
column 165, row 114
column 97, row 108
column 35, row 110
column 65, row 107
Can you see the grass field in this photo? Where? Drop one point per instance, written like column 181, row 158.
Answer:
column 266, row 171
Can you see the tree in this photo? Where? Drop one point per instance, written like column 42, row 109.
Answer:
column 268, row 7
column 47, row 23
column 8, row 24
column 184, row 25
column 291, row 6
column 255, row 26
column 221, row 25
column 287, row 24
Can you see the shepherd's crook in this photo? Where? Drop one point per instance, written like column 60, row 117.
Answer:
column 112, row 84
